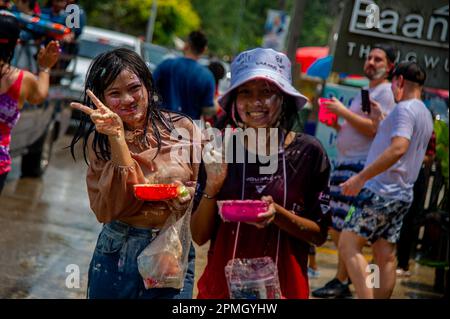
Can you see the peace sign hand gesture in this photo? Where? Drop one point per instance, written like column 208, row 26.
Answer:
column 106, row 121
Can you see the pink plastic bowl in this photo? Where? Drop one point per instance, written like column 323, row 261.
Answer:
column 241, row 210
column 326, row 116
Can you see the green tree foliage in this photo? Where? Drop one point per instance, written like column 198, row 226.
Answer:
column 231, row 25
column 174, row 17
column 441, row 130
column 318, row 19
column 236, row 25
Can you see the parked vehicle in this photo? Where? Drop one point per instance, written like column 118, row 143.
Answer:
column 92, row 42
column 154, row 54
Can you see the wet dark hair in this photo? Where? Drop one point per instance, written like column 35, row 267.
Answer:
column 102, row 72
column 197, row 41
column 9, row 34
column 411, row 71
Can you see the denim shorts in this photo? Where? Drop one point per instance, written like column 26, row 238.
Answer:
column 374, row 217
column 113, row 271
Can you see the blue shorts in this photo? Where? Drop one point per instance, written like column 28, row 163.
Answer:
column 374, row 217
column 113, row 271
column 340, row 204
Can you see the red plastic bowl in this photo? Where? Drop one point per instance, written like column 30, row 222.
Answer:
column 242, row 210
column 155, row 192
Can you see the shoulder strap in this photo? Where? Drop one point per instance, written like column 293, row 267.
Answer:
column 284, row 205
column 14, row 90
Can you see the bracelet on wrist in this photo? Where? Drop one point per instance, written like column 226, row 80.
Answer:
column 44, row 69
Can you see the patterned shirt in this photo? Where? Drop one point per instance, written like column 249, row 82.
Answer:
column 9, row 115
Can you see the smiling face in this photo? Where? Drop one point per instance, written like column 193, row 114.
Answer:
column 258, row 103
column 128, row 97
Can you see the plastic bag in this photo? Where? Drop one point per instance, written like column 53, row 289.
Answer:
column 254, row 278
column 163, row 263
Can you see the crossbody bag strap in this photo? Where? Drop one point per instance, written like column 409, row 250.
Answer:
column 284, row 205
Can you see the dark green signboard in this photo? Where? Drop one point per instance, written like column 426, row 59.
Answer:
column 417, row 29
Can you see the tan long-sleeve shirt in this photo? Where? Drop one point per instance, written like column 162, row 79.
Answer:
column 110, row 186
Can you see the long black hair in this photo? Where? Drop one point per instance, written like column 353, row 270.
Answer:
column 102, row 72
column 9, row 34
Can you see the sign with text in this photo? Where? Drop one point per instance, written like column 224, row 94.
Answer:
column 417, row 29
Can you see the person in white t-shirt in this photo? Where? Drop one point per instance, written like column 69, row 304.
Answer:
column 385, row 185
column 354, row 137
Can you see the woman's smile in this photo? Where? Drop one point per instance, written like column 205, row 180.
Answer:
column 128, row 97
column 259, row 103
column 127, row 110
column 255, row 115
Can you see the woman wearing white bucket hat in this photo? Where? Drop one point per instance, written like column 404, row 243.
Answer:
column 261, row 97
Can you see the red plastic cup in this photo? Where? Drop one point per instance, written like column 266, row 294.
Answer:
column 156, row 192
column 242, row 210
column 325, row 116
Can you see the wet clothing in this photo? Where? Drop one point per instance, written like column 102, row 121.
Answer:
column 9, row 115
column 307, row 174
column 375, row 216
column 412, row 120
column 386, row 198
column 110, row 186
column 353, row 147
column 185, row 86
column 113, row 271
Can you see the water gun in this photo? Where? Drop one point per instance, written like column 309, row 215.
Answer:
column 39, row 26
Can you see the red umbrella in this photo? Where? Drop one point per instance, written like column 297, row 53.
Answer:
column 307, row 55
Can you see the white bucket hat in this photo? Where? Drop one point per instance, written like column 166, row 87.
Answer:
column 265, row 64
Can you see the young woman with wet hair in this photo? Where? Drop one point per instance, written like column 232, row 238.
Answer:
column 261, row 98
column 127, row 141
